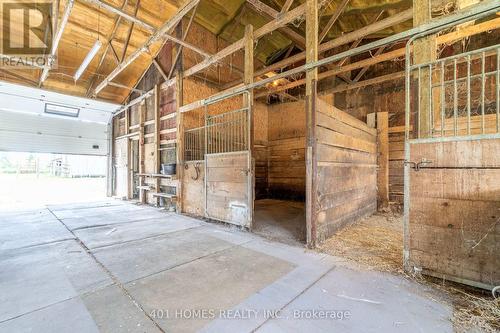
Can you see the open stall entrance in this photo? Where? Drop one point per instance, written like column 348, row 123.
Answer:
column 280, row 173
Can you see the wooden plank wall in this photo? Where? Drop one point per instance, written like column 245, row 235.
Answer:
column 455, row 210
column 227, row 187
column 396, row 164
column 287, row 143
column 193, row 194
column 346, row 159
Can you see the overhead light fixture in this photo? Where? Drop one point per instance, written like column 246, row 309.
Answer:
column 61, row 110
column 92, row 53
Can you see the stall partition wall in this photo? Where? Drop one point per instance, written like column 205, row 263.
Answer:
column 452, row 169
column 345, row 171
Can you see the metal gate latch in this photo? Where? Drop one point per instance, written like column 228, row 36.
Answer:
column 418, row 165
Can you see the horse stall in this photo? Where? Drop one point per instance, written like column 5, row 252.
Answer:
column 247, row 166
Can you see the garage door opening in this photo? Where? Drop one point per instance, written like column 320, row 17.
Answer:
column 34, row 180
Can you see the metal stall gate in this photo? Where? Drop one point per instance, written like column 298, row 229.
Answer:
column 224, row 143
column 452, row 167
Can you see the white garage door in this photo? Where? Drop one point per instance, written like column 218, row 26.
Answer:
column 39, row 121
column 26, row 132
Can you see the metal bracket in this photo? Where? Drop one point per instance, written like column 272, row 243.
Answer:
column 418, row 165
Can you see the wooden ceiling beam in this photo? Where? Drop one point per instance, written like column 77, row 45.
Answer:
column 111, row 36
column 129, row 32
column 271, row 13
column 122, row 13
column 344, row 39
column 238, row 45
column 338, row 11
column 179, row 51
column 158, row 35
column 286, row 6
column 364, row 69
column 56, row 40
column 139, row 22
column 442, row 39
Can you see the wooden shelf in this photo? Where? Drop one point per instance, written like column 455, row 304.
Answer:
column 156, row 175
column 165, row 195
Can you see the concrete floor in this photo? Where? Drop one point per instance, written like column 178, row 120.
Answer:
column 116, row 267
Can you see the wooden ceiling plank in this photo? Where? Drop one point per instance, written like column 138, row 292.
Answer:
column 158, row 35
column 338, row 11
column 57, row 39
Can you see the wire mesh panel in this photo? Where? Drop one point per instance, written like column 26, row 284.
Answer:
column 227, row 132
column 456, row 96
column 194, row 144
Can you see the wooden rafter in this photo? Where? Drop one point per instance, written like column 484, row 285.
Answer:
column 179, row 51
column 271, row 13
column 129, row 32
column 262, row 31
column 344, row 39
column 111, row 36
column 338, row 11
column 364, row 69
column 57, row 38
column 286, row 6
column 139, row 22
column 158, row 35
column 400, row 52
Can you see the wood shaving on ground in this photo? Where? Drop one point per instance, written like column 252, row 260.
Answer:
column 376, row 243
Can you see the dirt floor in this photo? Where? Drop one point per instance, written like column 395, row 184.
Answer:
column 280, row 220
column 377, row 243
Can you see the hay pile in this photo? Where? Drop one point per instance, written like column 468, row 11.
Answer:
column 377, row 243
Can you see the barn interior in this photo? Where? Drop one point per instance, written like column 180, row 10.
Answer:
column 288, row 120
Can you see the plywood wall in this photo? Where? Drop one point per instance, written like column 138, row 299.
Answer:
column 455, row 210
column 346, row 170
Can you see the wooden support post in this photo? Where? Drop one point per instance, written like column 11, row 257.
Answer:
column 179, row 120
column 383, row 160
column 248, row 102
column 179, row 86
column 142, row 114
column 424, row 50
column 156, row 152
column 127, row 121
column 311, row 79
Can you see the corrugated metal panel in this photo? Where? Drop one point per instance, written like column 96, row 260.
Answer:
column 26, row 132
